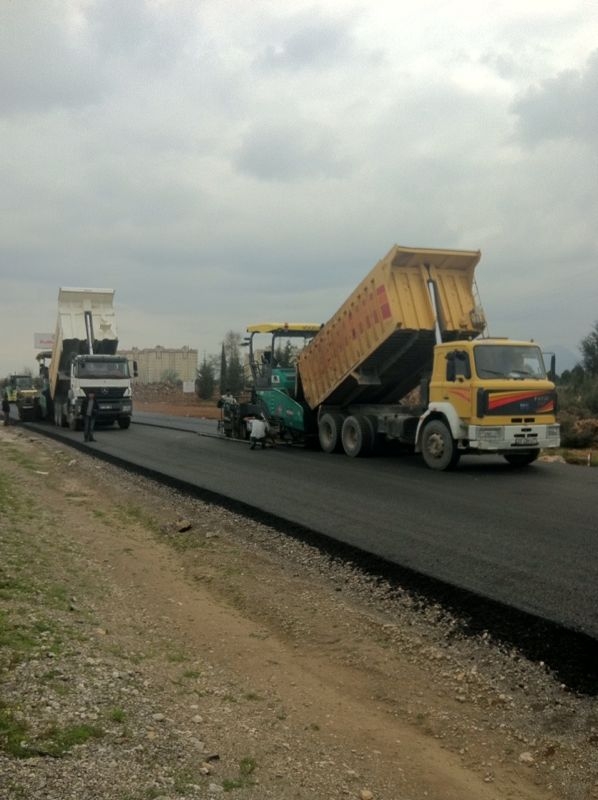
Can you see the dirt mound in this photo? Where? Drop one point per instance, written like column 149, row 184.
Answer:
column 167, row 399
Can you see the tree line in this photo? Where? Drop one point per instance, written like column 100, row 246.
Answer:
column 227, row 371
column 224, row 372
column 578, row 396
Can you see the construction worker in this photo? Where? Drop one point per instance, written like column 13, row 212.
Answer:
column 6, row 409
column 89, row 422
column 259, row 431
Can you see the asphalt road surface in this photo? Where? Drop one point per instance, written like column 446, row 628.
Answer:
column 527, row 538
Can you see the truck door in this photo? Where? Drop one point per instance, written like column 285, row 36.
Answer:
column 457, row 389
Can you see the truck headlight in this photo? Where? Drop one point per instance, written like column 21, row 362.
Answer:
column 553, row 432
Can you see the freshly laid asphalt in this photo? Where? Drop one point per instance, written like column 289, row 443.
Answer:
column 527, row 538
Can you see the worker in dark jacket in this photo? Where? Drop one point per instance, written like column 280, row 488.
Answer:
column 91, row 412
column 6, row 409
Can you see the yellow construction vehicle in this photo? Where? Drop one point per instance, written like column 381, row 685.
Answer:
column 405, row 359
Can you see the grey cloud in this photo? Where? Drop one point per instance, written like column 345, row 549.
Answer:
column 151, row 34
column 289, row 153
column 565, row 106
column 43, row 64
column 213, row 190
column 52, row 55
column 503, row 63
column 309, row 43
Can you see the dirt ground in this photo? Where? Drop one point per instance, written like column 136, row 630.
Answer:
column 202, row 653
column 159, row 399
column 177, row 408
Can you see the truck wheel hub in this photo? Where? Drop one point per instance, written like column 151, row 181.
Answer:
column 436, row 445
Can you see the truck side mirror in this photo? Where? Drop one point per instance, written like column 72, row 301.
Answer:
column 457, row 365
column 552, row 369
column 450, row 366
column 135, row 372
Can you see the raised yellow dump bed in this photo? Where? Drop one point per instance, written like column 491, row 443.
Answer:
column 379, row 344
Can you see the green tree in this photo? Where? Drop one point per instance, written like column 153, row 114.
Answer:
column 286, row 354
column 234, row 378
column 589, row 351
column 223, row 370
column 171, row 377
column 206, row 378
column 231, row 343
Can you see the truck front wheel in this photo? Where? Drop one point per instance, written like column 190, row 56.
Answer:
column 124, row 423
column 329, row 432
column 439, row 449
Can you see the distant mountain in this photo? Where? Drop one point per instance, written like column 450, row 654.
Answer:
column 565, row 358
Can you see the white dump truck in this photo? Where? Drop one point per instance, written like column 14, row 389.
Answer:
column 84, row 360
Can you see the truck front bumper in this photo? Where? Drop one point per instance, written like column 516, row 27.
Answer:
column 505, row 438
column 114, row 408
column 109, row 408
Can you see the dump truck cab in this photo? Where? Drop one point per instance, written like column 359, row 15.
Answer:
column 490, row 395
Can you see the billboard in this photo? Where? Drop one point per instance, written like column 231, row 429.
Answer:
column 43, row 341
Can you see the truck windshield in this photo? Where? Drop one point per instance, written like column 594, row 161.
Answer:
column 23, row 382
column 509, row 361
column 102, row 369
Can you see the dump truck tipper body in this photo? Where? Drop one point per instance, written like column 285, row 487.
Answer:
column 403, row 359
column 84, row 360
column 380, row 343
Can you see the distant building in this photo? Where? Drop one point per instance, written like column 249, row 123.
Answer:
column 154, row 363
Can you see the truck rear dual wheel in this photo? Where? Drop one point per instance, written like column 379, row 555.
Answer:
column 358, row 435
column 439, row 449
column 329, row 432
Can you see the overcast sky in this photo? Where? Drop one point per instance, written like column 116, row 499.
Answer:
column 225, row 162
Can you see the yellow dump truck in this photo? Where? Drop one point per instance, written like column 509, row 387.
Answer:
column 21, row 391
column 404, row 359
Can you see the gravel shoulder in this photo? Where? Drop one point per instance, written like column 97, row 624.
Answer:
column 154, row 646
